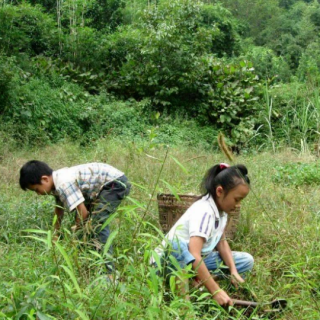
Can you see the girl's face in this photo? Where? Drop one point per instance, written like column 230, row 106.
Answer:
column 228, row 202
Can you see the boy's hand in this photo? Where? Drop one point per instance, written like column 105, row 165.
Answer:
column 86, row 226
column 82, row 214
column 75, row 228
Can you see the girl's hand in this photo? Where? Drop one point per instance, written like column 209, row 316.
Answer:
column 222, row 298
column 236, row 279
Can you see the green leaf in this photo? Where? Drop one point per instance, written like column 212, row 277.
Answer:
column 136, row 202
column 64, row 254
column 180, row 165
column 109, row 242
column 36, row 238
column 152, row 157
column 157, row 260
column 138, row 185
column 107, row 222
column 203, row 296
column 26, row 113
column 35, row 231
column 172, row 189
column 249, row 90
column 49, row 239
column 148, row 235
column 73, row 279
column 173, row 283
column 43, row 316
column 82, row 315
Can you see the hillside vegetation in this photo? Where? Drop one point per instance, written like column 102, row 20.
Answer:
column 88, row 69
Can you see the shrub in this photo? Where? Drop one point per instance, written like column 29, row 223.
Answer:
column 157, row 57
column 167, row 59
column 39, row 113
column 7, row 71
column 267, row 64
column 297, row 174
column 294, row 114
column 227, row 40
column 25, row 28
column 113, row 117
column 309, row 64
column 178, row 131
column 229, row 95
column 106, row 14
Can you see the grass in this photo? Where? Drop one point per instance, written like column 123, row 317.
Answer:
column 39, row 280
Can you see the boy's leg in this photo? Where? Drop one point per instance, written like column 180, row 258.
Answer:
column 243, row 262
column 106, row 204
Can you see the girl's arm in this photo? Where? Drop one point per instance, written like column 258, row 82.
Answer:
column 203, row 274
column 226, row 255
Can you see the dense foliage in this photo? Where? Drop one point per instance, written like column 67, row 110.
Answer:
column 63, row 64
column 62, row 69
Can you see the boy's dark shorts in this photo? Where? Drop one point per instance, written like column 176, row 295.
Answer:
column 109, row 199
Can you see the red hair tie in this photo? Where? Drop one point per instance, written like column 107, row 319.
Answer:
column 224, row 166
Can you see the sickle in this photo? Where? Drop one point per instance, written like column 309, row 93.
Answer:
column 276, row 305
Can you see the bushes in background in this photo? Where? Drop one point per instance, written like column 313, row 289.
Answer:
column 63, row 70
column 175, row 56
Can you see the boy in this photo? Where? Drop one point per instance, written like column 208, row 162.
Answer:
column 95, row 190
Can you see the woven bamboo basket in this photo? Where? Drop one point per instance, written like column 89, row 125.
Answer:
column 171, row 209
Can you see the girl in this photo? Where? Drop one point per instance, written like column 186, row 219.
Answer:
column 201, row 230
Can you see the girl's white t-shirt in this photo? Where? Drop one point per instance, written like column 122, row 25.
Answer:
column 202, row 219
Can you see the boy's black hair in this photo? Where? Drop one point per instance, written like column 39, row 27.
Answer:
column 31, row 173
column 228, row 178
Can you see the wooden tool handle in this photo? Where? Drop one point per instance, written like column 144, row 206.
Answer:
column 245, row 303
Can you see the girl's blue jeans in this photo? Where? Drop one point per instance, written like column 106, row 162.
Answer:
column 180, row 251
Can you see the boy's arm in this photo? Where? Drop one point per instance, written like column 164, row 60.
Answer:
column 59, row 212
column 203, row 274
column 81, row 216
column 226, row 255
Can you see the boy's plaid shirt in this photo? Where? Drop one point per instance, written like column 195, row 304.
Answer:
column 76, row 184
